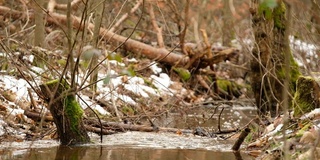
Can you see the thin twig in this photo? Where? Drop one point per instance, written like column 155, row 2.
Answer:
column 126, row 15
column 219, row 128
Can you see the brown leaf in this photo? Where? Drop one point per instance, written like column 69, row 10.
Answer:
column 307, row 137
column 9, row 95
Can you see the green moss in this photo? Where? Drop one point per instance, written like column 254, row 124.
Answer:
column 148, row 82
column 72, row 108
column 127, row 110
column 224, row 84
column 294, row 73
column 303, row 129
column 52, row 82
column 303, row 100
column 74, row 112
column 278, row 16
column 229, row 87
column 55, row 82
column 266, row 10
column 183, row 73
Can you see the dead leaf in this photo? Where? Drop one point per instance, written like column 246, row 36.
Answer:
column 254, row 153
column 268, row 129
column 3, row 108
column 9, row 95
column 307, row 138
column 259, row 142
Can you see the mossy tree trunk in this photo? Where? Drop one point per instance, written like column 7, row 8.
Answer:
column 268, row 63
column 66, row 111
column 307, row 95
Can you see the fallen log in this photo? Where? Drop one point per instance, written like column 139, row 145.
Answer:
column 157, row 54
column 37, row 116
column 131, row 127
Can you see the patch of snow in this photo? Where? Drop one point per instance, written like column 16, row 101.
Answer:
column 312, row 114
column 162, row 82
column 127, row 99
column 276, row 130
column 310, row 49
column 135, row 88
column 132, row 60
column 113, row 73
column 29, row 58
column 155, row 69
column 37, row 69
column 149, row 90
column 116, row 81
column 299, row 62
column 114, row 62
column 18, row 86
column 15, row 111
column 236, row 113
column 92, row 105
column 241, row 107
column 2, row 130
column 135, row 80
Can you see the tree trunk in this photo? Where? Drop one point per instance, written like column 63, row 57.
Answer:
column 267, row 66
column 227, row 28
column 66, row 111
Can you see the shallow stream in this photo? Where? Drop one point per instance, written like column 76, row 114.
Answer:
column 145, row 145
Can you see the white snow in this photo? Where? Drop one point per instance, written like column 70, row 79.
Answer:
column 15, row 111
column 2, row 130
column 132, row 60
column 276, row 130
column 149, row 90
column 312, row 114
column 17, row 86
column 127, row 99
column 162, row 82
column 92, row 105
column 155, row 69
column 114, row 62
column 310, row 49
column 116, row 81
column 135, row 88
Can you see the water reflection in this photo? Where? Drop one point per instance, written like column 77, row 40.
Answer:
column 116, row 153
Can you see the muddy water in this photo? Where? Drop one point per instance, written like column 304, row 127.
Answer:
column 146, row 146
column 120, row 153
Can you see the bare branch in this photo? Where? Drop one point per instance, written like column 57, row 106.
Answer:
column 156, row 27
column 125, row 16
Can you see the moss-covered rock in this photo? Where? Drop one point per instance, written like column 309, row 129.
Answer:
column 306, row 97
column 183, row 73
column 229, row 87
